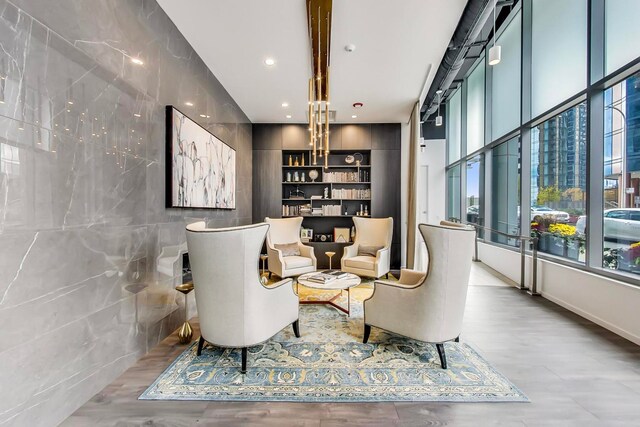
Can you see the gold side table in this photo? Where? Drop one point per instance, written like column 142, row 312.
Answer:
column 263, row 258
column 186, row 332
column 330, row 254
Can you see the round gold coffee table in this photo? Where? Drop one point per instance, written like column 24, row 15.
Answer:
column 347, row 283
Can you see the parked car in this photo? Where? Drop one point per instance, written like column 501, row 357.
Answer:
column 558, row 216
column 622, row 224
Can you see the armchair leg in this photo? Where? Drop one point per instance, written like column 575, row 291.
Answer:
column 200, row 345
column 443, row 356
column 457, row 339
column 269, row 275
column 296, row 328
column 386, row 276
column 367, row 332
column 243, row 370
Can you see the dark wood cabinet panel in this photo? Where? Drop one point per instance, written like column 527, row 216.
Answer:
column 295, row 137
column 267, row 137
column 385, row 187
column 267, row 188
column 385, row 136
column 356, row 137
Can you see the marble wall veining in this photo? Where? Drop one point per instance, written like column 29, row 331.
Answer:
column 89, row 254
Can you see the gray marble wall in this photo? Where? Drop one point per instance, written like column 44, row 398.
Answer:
column 87, row 248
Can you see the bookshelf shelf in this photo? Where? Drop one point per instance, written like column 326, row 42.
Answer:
column 348, row 180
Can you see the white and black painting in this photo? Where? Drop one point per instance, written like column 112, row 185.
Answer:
column 202, row 168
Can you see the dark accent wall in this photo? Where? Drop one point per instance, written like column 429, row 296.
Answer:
column 89, row 255
column 383, row 139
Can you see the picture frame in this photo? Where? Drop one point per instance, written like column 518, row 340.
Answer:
column 306, row 235
column 341, row 234
column 201, row 168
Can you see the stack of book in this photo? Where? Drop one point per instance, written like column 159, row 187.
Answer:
column 327, row 276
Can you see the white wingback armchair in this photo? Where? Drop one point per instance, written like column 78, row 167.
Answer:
column 370, row 233
column 287, row 231
column 234, row 308
column 427, row 306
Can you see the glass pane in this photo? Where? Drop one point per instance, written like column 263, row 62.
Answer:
column 621, row 33
column 505, row 191
column 453, row 197
column 473, row 199
column 621, row 227
column 505, row 91
column 454, row 123
column 559, row 63
column 559, row 183
column 475, row 109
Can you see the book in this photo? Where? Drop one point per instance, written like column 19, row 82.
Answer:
column 321, row 278
column 336, row 273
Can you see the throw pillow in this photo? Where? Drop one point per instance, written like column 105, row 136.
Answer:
column 288, row 249
column 369, row 250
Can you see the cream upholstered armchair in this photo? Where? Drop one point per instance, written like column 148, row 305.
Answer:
column 369, row 255
column 288, row 257
column 234, row 308
column 427, row 306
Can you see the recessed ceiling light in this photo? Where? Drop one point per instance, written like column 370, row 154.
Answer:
column 68, row 111
column 285, row 104
column 70, row 102
column 189, row 104
column 357, row 105
column 269, row 62
column 137, row 61
column 136, row 114
column 288, row 116
column 354, row 117
column 204, row 116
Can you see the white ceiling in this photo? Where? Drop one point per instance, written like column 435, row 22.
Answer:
column 399, row 45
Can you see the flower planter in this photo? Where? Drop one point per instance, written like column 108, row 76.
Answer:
column 573, row 249
column 557, row 246
column 543, row 242
column 625, row 265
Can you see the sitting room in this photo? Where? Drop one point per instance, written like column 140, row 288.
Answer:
column 314, row 213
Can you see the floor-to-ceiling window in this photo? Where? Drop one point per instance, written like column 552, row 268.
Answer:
column 559, row 182
column 621, row 216
column 505, row 190
column 473, row 199
column 453, row 193
column 557, row 136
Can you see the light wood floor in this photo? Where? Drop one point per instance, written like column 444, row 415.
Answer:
column 574, row 372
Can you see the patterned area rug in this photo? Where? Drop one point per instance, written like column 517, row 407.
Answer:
column 329, row 363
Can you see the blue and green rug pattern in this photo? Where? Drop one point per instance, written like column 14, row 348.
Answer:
column 329, row 363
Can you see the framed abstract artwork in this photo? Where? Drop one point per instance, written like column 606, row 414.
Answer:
column 201, row 169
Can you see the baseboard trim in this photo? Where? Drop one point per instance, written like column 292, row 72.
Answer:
column 595, row 319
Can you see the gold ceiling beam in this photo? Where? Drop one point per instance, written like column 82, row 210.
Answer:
column 319, row 13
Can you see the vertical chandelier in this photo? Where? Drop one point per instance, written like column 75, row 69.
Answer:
column 319, row 22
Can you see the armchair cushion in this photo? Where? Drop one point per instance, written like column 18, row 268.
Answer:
column 294, row 261
column 361, row 261
column 369, row 250
column 288, row 249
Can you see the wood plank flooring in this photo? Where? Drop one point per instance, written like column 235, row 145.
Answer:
column 575, row 373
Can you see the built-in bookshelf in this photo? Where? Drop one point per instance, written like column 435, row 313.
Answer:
column 378, row 146
column 326, row 197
